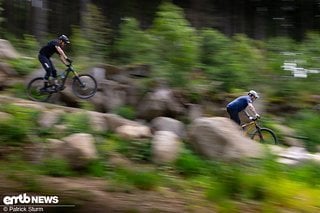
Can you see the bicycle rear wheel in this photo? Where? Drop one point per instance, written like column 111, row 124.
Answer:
column 34, row 90
column 265, row 135
column 84, row 86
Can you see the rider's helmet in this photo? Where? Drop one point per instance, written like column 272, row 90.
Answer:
column 253, row 93
column 64, row 38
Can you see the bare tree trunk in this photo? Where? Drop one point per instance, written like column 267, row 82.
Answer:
column 83, row 11
column 40, row 19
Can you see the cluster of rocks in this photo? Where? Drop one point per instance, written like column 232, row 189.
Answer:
column 211, row 137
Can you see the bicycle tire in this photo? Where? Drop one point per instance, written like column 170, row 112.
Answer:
column 84, row 86
column 267, row 136
column 34, row 90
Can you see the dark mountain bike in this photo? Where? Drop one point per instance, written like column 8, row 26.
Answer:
column 83, row 86
column 258, row 133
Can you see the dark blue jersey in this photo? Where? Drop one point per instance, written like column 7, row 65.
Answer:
column 239, row 103
column 49, row 49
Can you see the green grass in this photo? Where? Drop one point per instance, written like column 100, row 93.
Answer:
column 270, row 185
column 56, row 167
column 307, row 124
column 139, row 178
column 77, row 123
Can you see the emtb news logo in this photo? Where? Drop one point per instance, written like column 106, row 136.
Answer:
column 24, row 199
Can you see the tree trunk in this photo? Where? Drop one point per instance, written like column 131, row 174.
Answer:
column 40, row 19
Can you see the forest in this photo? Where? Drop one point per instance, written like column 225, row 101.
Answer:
column 207, row 51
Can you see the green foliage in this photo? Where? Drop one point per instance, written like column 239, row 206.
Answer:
column 10, row 132
column 307, row 123
column 17, row 169
column 177, row 47
column 308, row 173
column 308, row 51
column 57, row 167
column 24, row 65
column 127, row 112
column 189, row 164
column 213, row 43
column 97, row 32
column 77, row 123
column 133, row 45
column 240, row 66
column 30, row 45
column 96, row 168
column 136, row 150
column 141, row 179
column 18, row 90
column 80, row 44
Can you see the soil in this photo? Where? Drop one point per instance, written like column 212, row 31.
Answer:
column 96, row 195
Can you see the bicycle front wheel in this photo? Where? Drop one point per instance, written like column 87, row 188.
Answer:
column 265, row 135
column 84, row 86
column 34, row 91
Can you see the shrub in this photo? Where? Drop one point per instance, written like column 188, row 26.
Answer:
column 14, row 134
column 11, row 133
column 57, row 167
column 189, row 164
column 24, row 65
column 77, row 123
column 307, row 124
column 177, row 45
column 141, row 179
column 129, row 47
column 127, row 112
column 96, row 168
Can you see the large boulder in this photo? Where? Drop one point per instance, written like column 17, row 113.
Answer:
column 221, row 138
column 7, row 50
column 166, row 147
column 97, row 121
column 78, row 149
column 132, row 132
column 49, row 118
column 114, row 94
column 160, row 102
column 168, row 124
column 114, row 121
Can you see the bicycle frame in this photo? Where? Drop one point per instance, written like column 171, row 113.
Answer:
column 66, row 74
column 263, row 134
column 253, row 123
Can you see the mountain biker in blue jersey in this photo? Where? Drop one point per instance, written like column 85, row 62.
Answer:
column 241, row 103
column 54, row 46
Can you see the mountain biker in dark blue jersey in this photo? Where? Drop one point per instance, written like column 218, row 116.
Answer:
column 54, row 46
column 240, row 104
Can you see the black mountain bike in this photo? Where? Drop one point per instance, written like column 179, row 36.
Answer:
column 258, row 133
column 83, row 86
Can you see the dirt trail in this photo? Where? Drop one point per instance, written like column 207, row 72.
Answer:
column 91, row 195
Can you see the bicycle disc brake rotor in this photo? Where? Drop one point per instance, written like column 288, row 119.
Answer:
column 87, row 86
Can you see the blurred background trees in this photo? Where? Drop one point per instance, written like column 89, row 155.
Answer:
column 206, row 49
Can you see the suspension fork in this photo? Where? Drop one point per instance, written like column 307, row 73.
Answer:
column 76, row 76
column 259, row 131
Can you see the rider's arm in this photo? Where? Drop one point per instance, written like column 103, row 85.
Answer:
column 252, row 109
column 62, row 55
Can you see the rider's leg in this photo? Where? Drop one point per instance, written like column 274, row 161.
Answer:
column 234, row 115
column 46, row 65
column 53, row 72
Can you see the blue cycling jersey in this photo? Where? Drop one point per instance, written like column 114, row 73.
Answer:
column 239, row 103
column 49, row 49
